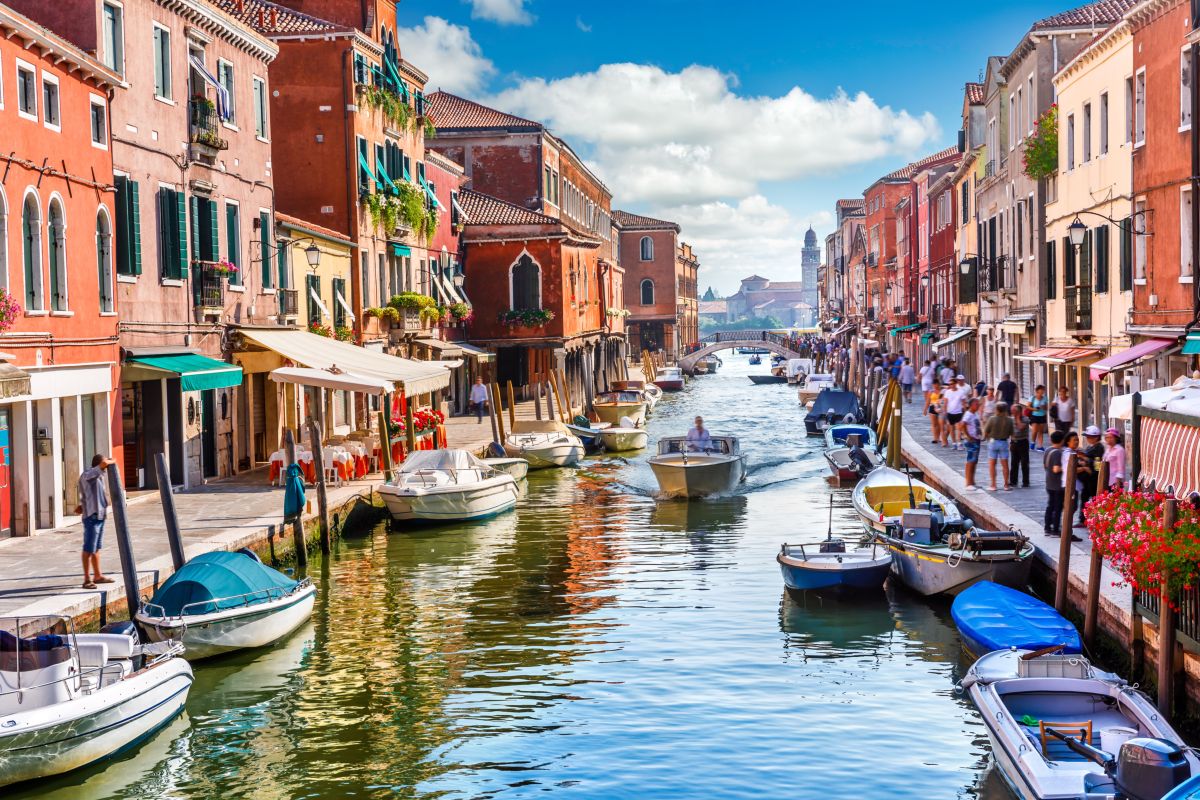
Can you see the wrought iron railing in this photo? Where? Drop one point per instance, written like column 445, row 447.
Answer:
column 1079, row 308
column 210, row 289
column 202, row 122
column 1187, row 617
column 289, row 302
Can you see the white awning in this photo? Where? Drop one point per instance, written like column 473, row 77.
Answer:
column 344, row 381
column 337, row 295
column 319, row 352
column 312, row 291
column 462, row 215
column 954, row 336
column 477, row 353
column 450, row 289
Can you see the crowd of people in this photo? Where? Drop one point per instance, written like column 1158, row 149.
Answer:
column 998, row 424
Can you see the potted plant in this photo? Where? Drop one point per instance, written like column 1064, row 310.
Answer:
column 320, row 330
column 526, row 317
column 10, row 309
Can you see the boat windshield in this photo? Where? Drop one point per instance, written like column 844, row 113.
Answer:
column 720, row 445
column 444, row 460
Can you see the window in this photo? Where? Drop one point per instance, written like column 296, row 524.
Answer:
column 364, row 168
column 99, row 121
column 1020, row 234
column 104, row 264
column 339, row 291
column 1087, row 132
column 225, row 78
column 965, row 202
column 647, row 248
column 312, row 293
column 51, row 114
column 1185, row 233
column 233, row 242
column 113, row 56
column 26, row 91
column 1031, row 116
column 1070, row 142
column 56, row 233
column 282, row 273
column 172, row 234
column 1185, row 88
column 1012, row 122
column 129, row 228
column 162, row 63
column 1129, row 103
column 365, row 272
column 1020, row 113
column 1100, row 239
column 1139, row 108
column 31, row 239
column 264, row 247
column 1104, row 123
column 1126, row 254
column 647, row 292
column 260, row 107
column 525, row 279
column 1139, row 241
column 1051, row 271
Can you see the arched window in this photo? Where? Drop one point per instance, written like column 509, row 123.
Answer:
column 526, row 284
column 31, row 238
column 647, row 249
column 647, row 292
column 56, row 230
column 104, row 264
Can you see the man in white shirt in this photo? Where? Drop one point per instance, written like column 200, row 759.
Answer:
column 947, row 374
column 698, row 440
column 479, row 399
column 927, row 374
column 956, row 399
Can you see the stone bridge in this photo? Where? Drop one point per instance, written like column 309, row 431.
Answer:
column 728, row 340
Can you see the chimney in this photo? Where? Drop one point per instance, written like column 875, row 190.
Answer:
column 274, row 18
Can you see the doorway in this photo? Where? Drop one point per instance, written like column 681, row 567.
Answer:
column 208, row 432
column 6, row 504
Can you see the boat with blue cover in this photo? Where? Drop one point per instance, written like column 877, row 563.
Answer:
column 223, row 601
column 992, row 617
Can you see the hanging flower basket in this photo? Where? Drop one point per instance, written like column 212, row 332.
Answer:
column 526, row 317
column 10, row 310
column 222, row 268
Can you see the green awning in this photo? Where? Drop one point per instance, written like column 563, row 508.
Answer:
column 926, row 338
column 401, row 250
column 1191, row 345
column 196, row 371
column 904, row 328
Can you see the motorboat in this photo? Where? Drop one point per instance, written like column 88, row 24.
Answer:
column 71, row 699
column 797, row 370
column 831, row 407
column 752, row 351
column 610, row 407
column 682, row 469
column 714, row 363
column 813, row 385
column 223, row 601
column 700, row 367
column 755, row 360
column 623, row 439
column 587, row 432
column 518, row 468
column 765, row 379
column 994, row 617
column 1060, row 728
column 669, row 379
column 934, row 549
column 652, row 394
column 829, row 565
column 543, row 443
column 845, row 463
column 447, row 486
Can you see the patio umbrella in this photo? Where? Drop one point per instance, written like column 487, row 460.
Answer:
column 293, row 493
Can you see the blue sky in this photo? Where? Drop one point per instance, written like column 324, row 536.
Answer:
column 742, row 121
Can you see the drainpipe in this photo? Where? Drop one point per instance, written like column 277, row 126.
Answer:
column 1195, row 180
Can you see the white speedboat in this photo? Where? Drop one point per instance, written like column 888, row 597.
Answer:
column 610, row 407
column 447, row 486
column 681, row 471
column 652, row 394
column 812, row 386
column 1032, row 702
column 669, row 379
column 68, row 700
column 798, row 369
column 518, row 468
column 222, row 601
column 543, row 443
column 620, row 440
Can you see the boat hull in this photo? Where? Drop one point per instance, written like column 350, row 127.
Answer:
column 669, row 385
column 623, row 440
column 455, row 504
column 799, row 576
column 518, row 468
column 701, row 476
column 930, row 571
column 207, row 635
column 838, row 460
column 762, row 379
column 613, row 412
column 545, row 456
column 51, row 741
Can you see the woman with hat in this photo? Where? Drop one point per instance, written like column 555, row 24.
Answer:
column 1114, row 456
column 1093, row 451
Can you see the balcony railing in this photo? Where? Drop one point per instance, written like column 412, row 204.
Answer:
column 210, row 290
column 203, row 129
column 989, row 169
column 1079, row 308
column 289, row 302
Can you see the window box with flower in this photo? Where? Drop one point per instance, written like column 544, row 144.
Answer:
column 526, row 317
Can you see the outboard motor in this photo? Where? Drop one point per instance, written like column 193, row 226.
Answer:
column 1145, row 768
column 124, row 628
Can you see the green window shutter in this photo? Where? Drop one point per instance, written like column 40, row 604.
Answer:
column 214, row 240
column 233, row 239
column 27, row 236
column 281, row 263
column 264, row 239
column 194, row 205
column 135, row 228
column 407, row 164
column 1127, row 254
column 1051, row 270
column 121, row 239
column 181, row 240
column 339, row 314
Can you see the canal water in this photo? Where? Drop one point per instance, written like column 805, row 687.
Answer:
column 594, row 644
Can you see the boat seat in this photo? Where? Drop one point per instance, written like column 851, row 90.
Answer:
column 119, row 645
column 92, row 655
column 54, row 684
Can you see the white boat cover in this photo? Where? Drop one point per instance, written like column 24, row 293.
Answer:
column 442, row 460
column 1182, row 397
column 539, row 426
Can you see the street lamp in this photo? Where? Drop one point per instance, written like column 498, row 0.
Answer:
column 313, row 254
column 965, row 265
column 1077, row 231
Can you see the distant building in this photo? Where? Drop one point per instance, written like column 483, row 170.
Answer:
column 660, row 284
column 714, row 311
column 786, row 301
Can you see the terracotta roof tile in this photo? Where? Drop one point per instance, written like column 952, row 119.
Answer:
column 916, row 166
column 482, row 209
column 975, row 93
column 1103, row 13
column 273, row 19
column 636, row 222
column 295, row 222
column 451, row 112
column 854, row 202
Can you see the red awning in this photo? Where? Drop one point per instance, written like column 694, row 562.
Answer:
column 1059, row 355
column 1138, row 351
column 1169, row 456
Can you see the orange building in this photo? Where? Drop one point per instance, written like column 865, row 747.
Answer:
column 649, row 254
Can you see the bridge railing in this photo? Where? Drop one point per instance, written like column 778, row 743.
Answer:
column 736, row 336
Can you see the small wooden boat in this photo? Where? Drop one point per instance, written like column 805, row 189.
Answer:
column 765, row 379
column 829, row 565
column 798, row 369
column 994, row 617
column 755, row 360
column 831, row 407
column 447, row 486
column 518, row 468
column 886, row 494
column 621, row 440
column 842, row 463
column 71, row 699
column 611, row 407
column 685, row 472
column 700, row 367
column 669, row 379
column 223, row 601
column 813, row 385
column 588, row 433
column 1060, row 728
column 543, row 443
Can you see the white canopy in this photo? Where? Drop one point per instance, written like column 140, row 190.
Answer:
column 319, row 352
column 1183, row 398
column 326, row 379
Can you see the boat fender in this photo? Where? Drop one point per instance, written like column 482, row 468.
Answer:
column 246, row 551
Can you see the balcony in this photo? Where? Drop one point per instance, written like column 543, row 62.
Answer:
column 210, row 289
column 1079, row 310
column 289, row 303
column 205, row 142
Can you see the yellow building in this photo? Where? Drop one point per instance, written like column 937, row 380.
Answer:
column 1089, row 280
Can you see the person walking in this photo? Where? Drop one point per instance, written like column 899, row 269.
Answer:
column 927, row 374
column 906, row 376
column 1052, row 461
column 1018, row 451
column 1070, row 449
column 1007, row 389
column 479, row 399
column 956, row 399
column 93, row 496
column 948, row 372
column 1114, row 456
column 998, row 430
column 1093, row 451
column 1038, row 405
column 1062, row 411
column 933, row 407
column 989, row 405
column 972, row 433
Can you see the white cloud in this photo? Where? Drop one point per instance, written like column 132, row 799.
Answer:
column 689, row 137
column 447, row 54
column 583, row 26
column 505, row 12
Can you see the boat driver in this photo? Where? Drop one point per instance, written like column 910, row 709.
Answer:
column 698, row 440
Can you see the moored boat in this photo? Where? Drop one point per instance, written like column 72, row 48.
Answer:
column 652, row 394
column 610, row 407
column 712, row 362
column 624, row 439
column 669, row 379
column 994, row 617
column 543, row 443
column 223, row 601
column 813, row 385
column 798, row 369
column 518, row 468
column 1060, row 728
column 831, row 407
column 447, row 486
column 886, row 494
column 765, row 379
column 588, row 433
column 68, row 700
column 681, row 471
column 830, row 566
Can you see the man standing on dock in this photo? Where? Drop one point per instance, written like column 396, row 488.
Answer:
column 1052, row 461
column 93, row 495
column 479, row 399
column 906, row 376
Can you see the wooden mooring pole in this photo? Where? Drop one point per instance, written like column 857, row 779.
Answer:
column 289, row 447
column 1064, row 544
column 174, row 538
column 1166, row 628
column 385, row 437
column 1091, row 609
column 314, row 439
column 133, row 600
column 512, row 407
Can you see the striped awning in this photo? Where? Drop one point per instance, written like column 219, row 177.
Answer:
column 1168, row 451
column 1061, row 355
